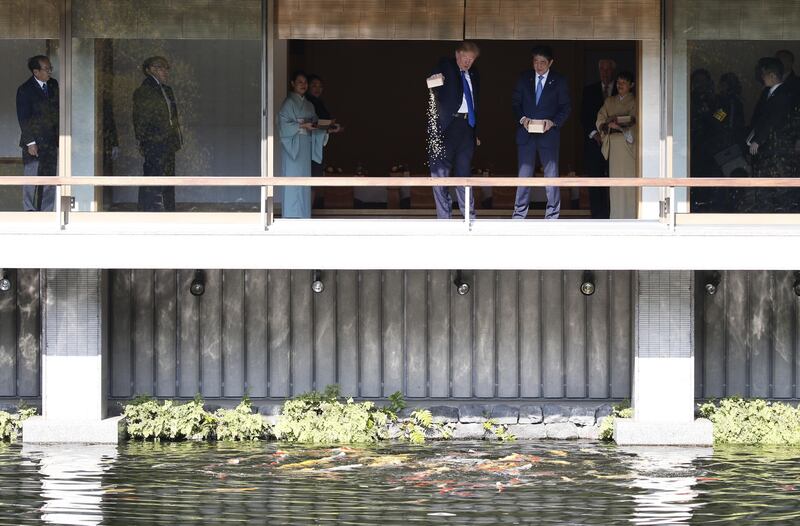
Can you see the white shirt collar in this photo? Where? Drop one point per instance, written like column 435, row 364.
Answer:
column 154, row 78
column 773, row 88
column 41, row 84
column 544, row 80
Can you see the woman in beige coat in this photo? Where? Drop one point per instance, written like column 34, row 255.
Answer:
column 616, row 122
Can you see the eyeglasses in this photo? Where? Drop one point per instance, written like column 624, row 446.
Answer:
column 46, row 70
column 155, row 66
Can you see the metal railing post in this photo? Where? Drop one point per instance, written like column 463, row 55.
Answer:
column 467, row 207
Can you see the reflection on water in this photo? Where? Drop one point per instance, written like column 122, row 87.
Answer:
column 71, row 478
column 442, row 483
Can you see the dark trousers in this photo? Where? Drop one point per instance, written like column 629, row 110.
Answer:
column 459, row 145
column 40, row 198
column 597, row 166
column 548, row 156
column 157, row 162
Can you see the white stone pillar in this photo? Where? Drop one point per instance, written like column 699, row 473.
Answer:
column 663, row 381
column 73, row 362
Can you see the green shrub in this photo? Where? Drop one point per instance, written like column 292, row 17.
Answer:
column 11, row 423
column 420, row 426
column 149, row 420
column 753, row 422
column 622, row 410
column 322, row 418
column 498, row 431
column 240, row 423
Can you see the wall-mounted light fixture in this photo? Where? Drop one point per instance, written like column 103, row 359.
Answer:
column 711, row 284
column 198, row 286
column 462, row 287
column 317, row 285
column 5, row 282
column 587, row 283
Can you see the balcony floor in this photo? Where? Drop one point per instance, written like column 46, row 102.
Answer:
column 121, row 240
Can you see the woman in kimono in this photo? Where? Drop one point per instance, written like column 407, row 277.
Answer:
column 616, row 122
column 300, row 143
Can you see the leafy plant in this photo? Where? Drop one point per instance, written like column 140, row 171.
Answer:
column 149, row 420
column 395, row 405
column 499, row 431
column 753, row 422
column 322, row 418
column 420, row 426
column 622, row 410
column 11, row 423
column 240, row 423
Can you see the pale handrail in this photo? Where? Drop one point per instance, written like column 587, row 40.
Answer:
column 363, row 181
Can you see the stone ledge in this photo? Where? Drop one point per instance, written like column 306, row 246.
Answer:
column 40, row 430
column 628, row 432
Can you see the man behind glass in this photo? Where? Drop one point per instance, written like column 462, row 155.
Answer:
column 156, row 125
column 37, row 112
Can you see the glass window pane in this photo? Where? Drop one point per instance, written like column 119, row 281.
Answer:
column 737, row 102
column 27, row 28
column 167, row 89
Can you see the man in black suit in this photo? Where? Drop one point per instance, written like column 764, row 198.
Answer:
column 156, row 125
column 457, row 103
column 540, row 94
column 771, row 141
column 594, row 95
column 37, row 112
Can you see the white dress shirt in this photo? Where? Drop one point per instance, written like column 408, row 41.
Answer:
column 464, row 108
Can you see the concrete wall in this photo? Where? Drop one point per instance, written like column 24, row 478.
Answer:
column 515, row 335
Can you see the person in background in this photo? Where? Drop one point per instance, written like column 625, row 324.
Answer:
column 540, row 94
column 728, row 134
column 771, row 140
column 616, row 122
column 38, row 116
column 301, row 143
column 594, row 95
column 316, row 86
column 701, row 122
column 457, row 102
column 158, row 131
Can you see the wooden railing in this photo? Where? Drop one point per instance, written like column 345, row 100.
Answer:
column 267, row 183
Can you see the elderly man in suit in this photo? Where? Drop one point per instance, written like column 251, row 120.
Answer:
column 37, row 112
column 457, row 102
column 540, row 94
column 156, row 125
column 594, row 95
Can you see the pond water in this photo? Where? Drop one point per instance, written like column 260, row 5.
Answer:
column 439, row 483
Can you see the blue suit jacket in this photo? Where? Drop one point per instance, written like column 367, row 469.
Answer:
column 38, row 114
column 553, row 105
column 451, row 93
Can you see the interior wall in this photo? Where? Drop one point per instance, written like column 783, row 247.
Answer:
column 376, row 90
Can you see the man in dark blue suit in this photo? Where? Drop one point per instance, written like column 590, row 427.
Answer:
column 457, row 102
column 37, row 112
column 540, row 94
